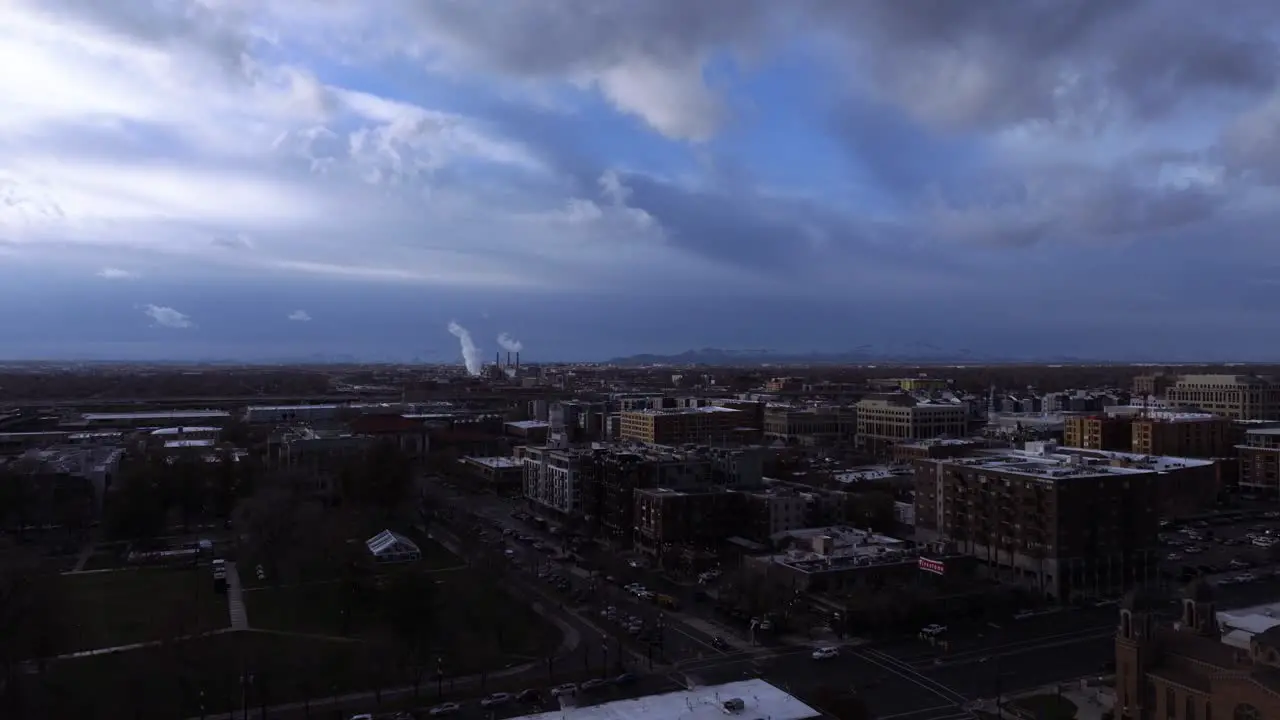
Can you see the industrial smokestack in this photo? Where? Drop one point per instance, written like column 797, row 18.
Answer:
column 517, row 362
column 508, row 358
column 497, row 358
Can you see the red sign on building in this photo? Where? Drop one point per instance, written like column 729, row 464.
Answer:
column 937, row 567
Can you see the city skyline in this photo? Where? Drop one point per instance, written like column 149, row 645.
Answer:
column 275, row 179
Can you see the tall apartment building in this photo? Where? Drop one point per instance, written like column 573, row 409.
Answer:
column 885, row 420
column 1097, row 432
column 1260, row 461
column 1067, row 528
column 609, row 478
column 685, row 528
column 1242, row 397
column 773, row 511
column 551, row 477
column 1198, row 435
column 702, row 425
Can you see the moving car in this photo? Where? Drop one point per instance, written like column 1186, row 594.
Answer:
column 826, row 653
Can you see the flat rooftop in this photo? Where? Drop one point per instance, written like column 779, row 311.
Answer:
column 1058, row 467
column 761, row 700
column 706, row 409
column 156, row 415
column 496, row 462
column 528, row 424
column 850, row 547
column 184, row 429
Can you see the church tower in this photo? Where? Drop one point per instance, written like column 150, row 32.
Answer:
column 1199, row 615
column 1135, row 653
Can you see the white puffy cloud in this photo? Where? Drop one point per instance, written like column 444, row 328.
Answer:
column 167, row 317
column 112, row 273
column 299, row 316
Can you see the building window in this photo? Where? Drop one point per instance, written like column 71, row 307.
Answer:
column 1245, row 711
column 1190, row 712
column 1170, row 704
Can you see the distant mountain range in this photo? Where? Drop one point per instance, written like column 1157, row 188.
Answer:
column 923, row 354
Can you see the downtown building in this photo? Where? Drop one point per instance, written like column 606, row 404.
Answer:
column 1067, row 527
column 891, row 419
column 1240, row 397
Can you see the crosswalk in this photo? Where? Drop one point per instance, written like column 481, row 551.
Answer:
column 235, row 599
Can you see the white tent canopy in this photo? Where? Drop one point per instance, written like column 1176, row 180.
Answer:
column 391, row 546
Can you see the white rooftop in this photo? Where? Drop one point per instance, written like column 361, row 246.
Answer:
column 188, row 443
column 183, row 430
column 496, row 462
column 529, row 424
column 156, row 415
column 761, row 700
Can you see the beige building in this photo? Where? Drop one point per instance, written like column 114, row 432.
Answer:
column 886, row 420
column 1242, row 397
column 818, row 425
column 699, row 425
column 1097, row 432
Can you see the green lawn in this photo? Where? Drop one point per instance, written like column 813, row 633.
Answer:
column 479, row 626
column 1048, row 707
column 130, row 606
column 168, row 681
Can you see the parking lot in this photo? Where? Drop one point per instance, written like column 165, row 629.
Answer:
column 1230, row 549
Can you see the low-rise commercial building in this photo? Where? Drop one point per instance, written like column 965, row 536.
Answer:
column 496, row 473
column 835, row 560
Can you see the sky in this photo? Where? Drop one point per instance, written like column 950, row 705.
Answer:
column 281, row 179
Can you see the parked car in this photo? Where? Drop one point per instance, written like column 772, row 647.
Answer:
column 496, row 699
column 565, row 689
column 593, row 684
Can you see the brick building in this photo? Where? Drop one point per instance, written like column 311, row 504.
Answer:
column 1097, row 432
column 1197, row 435
column 1260, row 461
column 1187, row 671
column 1065, row 527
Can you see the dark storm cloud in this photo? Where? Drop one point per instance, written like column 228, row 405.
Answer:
column 566, row 36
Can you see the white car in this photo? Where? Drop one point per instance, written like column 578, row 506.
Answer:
column 934, row 629
column 449, row 708
column 495, row 700
column 826, row 653
column 565, row 689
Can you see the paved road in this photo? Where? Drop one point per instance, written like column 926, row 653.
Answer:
column 910, row 680
column 682, row 638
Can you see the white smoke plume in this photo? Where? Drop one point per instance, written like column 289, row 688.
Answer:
column 509, row 343
column 470, row 353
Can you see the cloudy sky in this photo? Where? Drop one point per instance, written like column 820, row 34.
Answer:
column 281, row 178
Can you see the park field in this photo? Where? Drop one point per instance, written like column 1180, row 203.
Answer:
column 123, row 607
